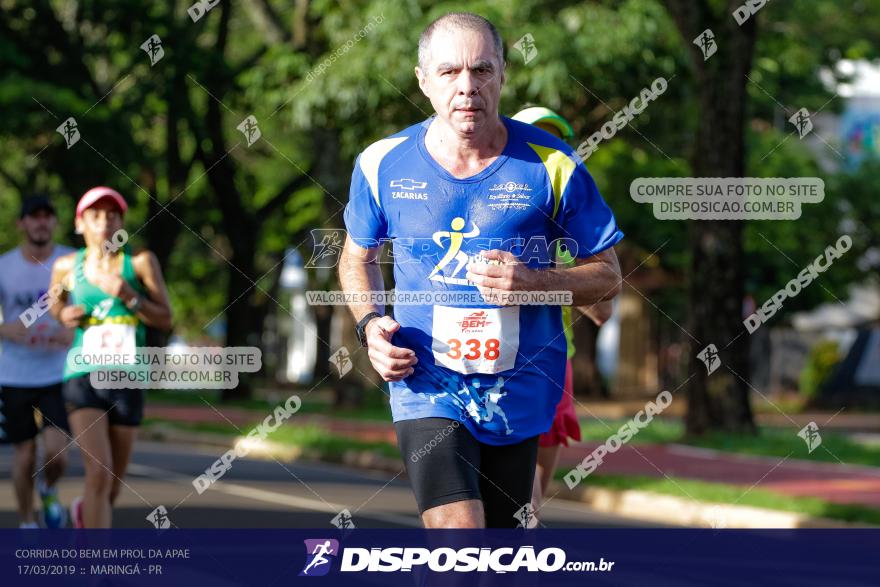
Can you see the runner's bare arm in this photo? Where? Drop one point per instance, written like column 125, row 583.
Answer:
column 359, row 272
column 593, row 279
column 62, row 274
column 599, row 312
column 155, row 309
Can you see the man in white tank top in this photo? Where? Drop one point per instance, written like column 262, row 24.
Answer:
column 34, row 347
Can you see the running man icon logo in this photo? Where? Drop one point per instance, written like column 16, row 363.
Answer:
column 70, row 131
column 342, row 520
column 250, row 130
column 526, row 46
column 710, row 358
column 706, row 43
column 153, row 48
column 327, row 247
column 341, row 359
column 810, row 434
column 319, row 554
column 159, row 518
column 525, row 516
column 801, row 121
column 456, row 239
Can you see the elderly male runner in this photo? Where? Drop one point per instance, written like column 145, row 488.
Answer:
column 472, row 387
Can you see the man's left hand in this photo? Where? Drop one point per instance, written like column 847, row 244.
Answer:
column 500, row 277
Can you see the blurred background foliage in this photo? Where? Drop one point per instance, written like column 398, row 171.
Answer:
column 220, row 215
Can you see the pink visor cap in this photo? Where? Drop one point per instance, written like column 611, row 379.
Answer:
column 99, row 193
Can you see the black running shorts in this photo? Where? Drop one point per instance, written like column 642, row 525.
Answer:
column 445, row 464
column 124, row 407
column 24, row 411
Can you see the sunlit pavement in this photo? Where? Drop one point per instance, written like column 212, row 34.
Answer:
column 264, row 494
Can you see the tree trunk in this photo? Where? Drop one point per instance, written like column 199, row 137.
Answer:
column 719, row 401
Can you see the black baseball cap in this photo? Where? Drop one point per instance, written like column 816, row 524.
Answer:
column 35, row 202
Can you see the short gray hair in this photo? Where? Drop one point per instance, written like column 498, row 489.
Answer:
column 462, row 21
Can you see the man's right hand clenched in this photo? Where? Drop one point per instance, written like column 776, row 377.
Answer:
column 391, row 362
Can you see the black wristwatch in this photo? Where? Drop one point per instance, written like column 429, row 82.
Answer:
column 362, row 327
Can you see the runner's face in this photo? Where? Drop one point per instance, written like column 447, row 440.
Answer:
column 100, row 222
column 38, row 227
column 463, row 79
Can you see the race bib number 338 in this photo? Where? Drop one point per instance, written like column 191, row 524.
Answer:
column 475, row 340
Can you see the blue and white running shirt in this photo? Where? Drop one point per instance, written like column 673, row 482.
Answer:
column 498, row 370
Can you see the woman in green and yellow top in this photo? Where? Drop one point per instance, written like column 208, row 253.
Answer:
column 109, row 295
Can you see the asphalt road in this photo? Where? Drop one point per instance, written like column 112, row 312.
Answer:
column 258, row 493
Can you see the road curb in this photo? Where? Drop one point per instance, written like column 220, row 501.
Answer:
column 669, row 509
column 630, row 503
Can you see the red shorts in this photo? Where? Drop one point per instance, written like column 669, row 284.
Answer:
column 565, row 422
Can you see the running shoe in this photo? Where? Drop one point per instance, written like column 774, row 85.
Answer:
column 54, row 514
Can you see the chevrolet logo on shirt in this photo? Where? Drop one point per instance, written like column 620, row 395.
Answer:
column 408, row 184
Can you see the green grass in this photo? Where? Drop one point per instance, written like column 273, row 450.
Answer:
column 771, row 442
column 309, row 438
column 195, row 398
column 732, row 494
column 659, row 431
